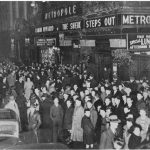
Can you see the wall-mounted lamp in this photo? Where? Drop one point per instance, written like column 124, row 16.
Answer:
column 33, row 4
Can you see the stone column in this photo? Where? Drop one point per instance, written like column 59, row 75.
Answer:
column 17, row 9
column 11, row 15
column 25, row 10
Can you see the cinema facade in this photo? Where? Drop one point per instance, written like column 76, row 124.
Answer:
column 91, row 33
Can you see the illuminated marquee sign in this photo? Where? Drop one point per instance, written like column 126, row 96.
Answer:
column 139, row 41
column 63, row 12
column 135, row 19
column 101, row 22
column 45, row 41
column 45, row 29
column 72, row 26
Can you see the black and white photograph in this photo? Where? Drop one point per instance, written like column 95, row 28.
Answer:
column 75, row 74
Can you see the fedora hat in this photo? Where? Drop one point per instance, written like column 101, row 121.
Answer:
column 114, row 118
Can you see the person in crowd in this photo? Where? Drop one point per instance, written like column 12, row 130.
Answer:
column 127, row 131
column 12, row 105
column 77, row 131
column 104, row 124
column 56, row 115
column 21, row 102
column 135, row 138
column 118, row 143
column 68, row 115
column 19, row 85
column 88, row 129
column 144, row 121
column 93, row 113
column 140, row 101
column 76, row 91
column 108, row 136
column 34, row 122
column 1, row 88
column 103, row 93
column 43, row 76
column 46, row 122
column 28, row 86
column 11, row 78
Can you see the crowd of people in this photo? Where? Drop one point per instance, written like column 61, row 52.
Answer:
column 67, row 104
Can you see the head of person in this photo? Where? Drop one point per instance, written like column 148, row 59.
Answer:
column 129, row 122
column 102, row 113
column 114, row 121
column 129, row 115
column 78, row 102
column 28, row 79
column 47, row 82
column 120, row 87
column 115, row 88
column 91, row 76
column 87, row 112
column 137, row 129
column 108, row 91
column 32, row 99
column 128, row 91
column 89, row 104
column 37, row 91
column 66, row 96
column 87, row 92
column 113, row 101
column 129, row 101
column 69, row 103
column 118, row 143
column 145, row 94
column 124, row 98
column 117, row 100
column 87, row 98
column 143, row 112
column 13, row 72
column 139, row 96
column 102, row 89
column 93, row 93
column 75, row 97
column 44, row 90
column 11, row 99
column 107, row 101
column 72, row 92
column 82, row 94
column 56, row 101
column 141, row 80
column 44, row 96
column 52, row 84
column 75, row 86
column 132, row 79
column 20, row 79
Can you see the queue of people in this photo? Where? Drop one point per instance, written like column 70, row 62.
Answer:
column 65, row 103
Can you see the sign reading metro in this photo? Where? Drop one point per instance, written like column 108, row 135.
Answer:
column 135, row 19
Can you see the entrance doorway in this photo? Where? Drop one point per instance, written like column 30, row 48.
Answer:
column 141, row 65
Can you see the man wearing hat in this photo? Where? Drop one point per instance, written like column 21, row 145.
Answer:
column 107, row 137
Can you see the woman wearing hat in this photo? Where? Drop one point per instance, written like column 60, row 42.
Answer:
column 107, row 137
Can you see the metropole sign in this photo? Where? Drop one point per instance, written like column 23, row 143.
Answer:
column 67, row 11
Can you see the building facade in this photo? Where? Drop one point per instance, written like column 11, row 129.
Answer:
column 86, row 32
column 91, row 31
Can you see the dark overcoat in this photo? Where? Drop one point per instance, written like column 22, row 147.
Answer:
column 88, row 130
